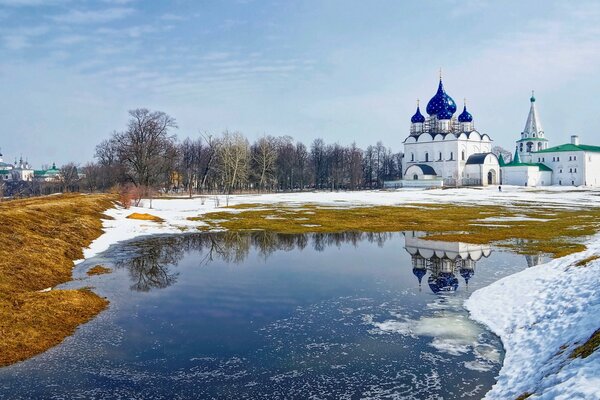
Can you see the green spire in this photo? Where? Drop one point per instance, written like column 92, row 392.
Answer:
column 501, row 161
column 516, row 160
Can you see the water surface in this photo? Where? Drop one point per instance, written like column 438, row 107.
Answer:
column 262, row 315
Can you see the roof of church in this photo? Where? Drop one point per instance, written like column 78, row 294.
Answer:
column 441, row 102
column 478, row 158
column 571, row 147
column 427, row 170
column 533, row 124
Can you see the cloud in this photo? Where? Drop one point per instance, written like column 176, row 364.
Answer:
column 29, row 3
column 93, row 16
column 20, row 38
column 173, row 17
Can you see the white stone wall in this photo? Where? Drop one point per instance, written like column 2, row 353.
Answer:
column 427, row 150
column 525, row 176
column 592, row 169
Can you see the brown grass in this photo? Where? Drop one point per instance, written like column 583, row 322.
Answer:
column 99, row 270
column 555, row 231
column 39, row 239
column 145, row 217
column 586, row 261
column 524, row 396
column 586, row 349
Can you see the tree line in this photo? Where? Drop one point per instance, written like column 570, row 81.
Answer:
column 148, row 157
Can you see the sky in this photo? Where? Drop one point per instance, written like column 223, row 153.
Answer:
column 343, row 70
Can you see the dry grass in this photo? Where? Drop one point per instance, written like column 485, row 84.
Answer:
column 39, row 239
column 552, row 230
column 524, row 396
column 145, row 217
column 586, row 261
column 99, row 270
column 586, row 349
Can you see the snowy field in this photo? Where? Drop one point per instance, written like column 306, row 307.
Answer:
column 540, row 319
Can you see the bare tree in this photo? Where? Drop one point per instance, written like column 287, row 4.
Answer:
column 264, row 157
column 233, row 160
column 144, row 149
column 69, row 176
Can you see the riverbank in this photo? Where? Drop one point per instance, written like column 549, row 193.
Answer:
column 39, row 240
column 547, row 317
column 556, row 220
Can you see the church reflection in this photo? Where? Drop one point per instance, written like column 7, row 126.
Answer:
column 443, row 261
column 151, row 262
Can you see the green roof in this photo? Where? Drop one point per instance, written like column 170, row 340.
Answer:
column 542, row 167
column 532, row 139
column 571, row 147
column 4, row 172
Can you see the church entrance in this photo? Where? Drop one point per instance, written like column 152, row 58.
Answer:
column 491, row 177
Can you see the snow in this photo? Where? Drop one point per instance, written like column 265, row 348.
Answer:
column 534, row 312
column 541, row 314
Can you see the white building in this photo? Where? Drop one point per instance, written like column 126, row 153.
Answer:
column 536, row 164
column 22, row 171
column 5, row 168
column 445, row 150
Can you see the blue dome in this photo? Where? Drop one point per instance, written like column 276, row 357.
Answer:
column 444, row 282
column 444, row 113
column 419, row 273
column 418, row 117
column 465, row 116
column 466, row 273
column 441, row 101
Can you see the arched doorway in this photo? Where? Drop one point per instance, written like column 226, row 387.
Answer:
column 415, row 177
column 491, row 177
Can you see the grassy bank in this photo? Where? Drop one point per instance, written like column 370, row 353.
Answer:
column 39, row 240
column 557, row 231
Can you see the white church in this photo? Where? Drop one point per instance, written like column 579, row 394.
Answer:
column 445, row 150
column 536, row 164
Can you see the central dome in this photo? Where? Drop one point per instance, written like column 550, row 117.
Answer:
column 441, row 102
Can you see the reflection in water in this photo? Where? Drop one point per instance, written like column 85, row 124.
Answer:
column 443, row 260
column 149, row 262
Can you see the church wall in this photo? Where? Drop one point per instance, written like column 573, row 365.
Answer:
column 592, row 169
column 525, row 176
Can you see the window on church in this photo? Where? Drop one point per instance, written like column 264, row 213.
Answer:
column 415, row 177
column 557, row 158
column 451, row 156
column 571, row 170
column 463, row 155
column 574, row 158
column 575, row 170
column 426, row 156
column 412, row 156
column 440, row 156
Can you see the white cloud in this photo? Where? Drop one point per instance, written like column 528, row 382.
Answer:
column 93, row 16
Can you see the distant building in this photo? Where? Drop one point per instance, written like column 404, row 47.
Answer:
column 47, row 175
column 445, row 150
column 536, row 164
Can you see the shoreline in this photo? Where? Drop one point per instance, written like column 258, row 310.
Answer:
column 500, row 318
column 549, row 310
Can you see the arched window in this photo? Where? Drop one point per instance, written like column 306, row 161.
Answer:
column 440, row 156
column 463, row 155
column 451, row 155
column 415, row 177
column 412, row 156
column 426, row 156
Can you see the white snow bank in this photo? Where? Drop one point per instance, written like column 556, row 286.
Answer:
column 541, row 314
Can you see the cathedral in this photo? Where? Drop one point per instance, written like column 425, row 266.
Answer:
column 446, row 150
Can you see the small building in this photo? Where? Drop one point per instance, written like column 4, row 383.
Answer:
column 48, row 175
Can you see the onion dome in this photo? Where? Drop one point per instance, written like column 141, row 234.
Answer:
column 444, row 113
column 418, row 117
column 532, row 98
column 441, row 102
column 444, row 282
column 419, row 273
column 465, row 116
column 466, row 273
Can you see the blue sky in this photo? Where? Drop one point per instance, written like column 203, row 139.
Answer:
column 341, row 70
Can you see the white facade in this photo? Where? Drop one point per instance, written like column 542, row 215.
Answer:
column 451, row 149
column 571, row 164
